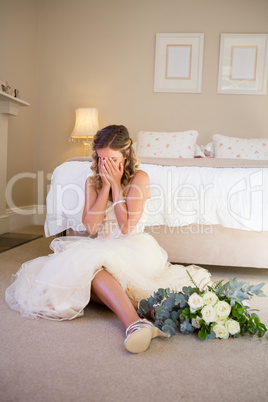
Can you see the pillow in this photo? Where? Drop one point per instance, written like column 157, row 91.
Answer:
column 232, row 147
column 167, row 144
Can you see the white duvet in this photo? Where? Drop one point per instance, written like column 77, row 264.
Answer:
column 232, row 197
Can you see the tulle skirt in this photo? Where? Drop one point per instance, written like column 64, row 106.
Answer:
column 58, row 286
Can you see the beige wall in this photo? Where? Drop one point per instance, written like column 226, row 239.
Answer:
column 100, row 53
column 18, row 66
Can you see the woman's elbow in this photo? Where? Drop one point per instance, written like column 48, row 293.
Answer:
column 127, row 229
column 125, row 232
column 91, row 229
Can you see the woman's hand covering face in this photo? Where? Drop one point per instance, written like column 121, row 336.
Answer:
column 110, row 171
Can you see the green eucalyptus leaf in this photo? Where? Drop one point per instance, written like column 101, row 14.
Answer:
column 232, row 303
column 174, row 315
column 168, row 304
column 151, row 301
column 242, row 295
column 211, row 335
column 186, row 327
column 254, row 315
column 260, row 293
column 170, row 322
column 169, row 329
column 180, row 300
column 257, row 287
column 158, row 324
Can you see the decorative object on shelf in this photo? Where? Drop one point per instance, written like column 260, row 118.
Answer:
column 243, row 64
column 219, row 311
column 178, row 62
column 15, row 93
column 5, row 87
column 86, row 126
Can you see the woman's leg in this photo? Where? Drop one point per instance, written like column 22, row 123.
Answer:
column 111, row 293
column 95, row 299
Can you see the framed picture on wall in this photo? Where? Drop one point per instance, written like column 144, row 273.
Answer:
column 243, row 64
column 178, row 62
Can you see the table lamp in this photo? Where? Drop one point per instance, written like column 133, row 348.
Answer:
column 86, row 126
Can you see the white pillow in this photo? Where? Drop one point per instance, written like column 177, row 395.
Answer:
column 243, row 148
column 167, row 144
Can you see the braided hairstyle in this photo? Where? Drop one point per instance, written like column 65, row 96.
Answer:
column 116, row 138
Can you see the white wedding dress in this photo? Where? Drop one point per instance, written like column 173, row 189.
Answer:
column 58, row 286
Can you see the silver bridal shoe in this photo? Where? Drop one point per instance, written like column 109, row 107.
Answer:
column 139, row 335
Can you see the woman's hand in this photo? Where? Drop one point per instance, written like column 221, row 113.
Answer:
column 113, row 172
column 103, row 173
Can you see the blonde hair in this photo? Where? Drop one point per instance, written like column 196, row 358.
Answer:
column 116, row 138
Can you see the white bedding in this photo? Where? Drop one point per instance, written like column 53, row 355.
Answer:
column 232, row 197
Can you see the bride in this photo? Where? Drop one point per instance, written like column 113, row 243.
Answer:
column 118, row 268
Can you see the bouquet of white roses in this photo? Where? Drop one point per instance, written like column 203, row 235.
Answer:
column 219, row 311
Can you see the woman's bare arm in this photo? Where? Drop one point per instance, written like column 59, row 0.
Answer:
column 95, row 206
column 129, row 214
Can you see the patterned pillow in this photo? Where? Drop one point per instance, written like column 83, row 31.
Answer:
column 167, row 144
column 232, row 148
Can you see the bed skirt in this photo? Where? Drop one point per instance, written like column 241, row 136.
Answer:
column 209, row 245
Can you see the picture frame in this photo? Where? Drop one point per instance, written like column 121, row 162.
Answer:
column 243, row 64
column 178, row 62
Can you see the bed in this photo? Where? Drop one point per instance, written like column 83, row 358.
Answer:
column 206, row 211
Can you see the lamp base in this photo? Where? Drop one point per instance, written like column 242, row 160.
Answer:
column 87, row 148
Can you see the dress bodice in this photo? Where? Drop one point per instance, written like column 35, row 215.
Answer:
column 110, row 228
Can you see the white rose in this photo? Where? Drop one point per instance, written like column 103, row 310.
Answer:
column 233, row 327
column 223, row 309
column 196, row 322
column 195, row 302
column 221, row 320
column 208, row 313
column 210, row 298
column 220, row 331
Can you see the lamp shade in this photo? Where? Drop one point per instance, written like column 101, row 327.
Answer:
column 86, row 123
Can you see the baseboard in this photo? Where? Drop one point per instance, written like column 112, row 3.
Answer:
column 26, row 216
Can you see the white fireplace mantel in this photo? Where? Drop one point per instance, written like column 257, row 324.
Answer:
column 9, row 106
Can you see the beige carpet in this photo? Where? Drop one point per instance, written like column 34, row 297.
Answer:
column 84, row 360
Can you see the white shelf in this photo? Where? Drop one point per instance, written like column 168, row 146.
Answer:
column 9, row 98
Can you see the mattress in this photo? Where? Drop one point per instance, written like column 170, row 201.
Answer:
column 231, row 193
